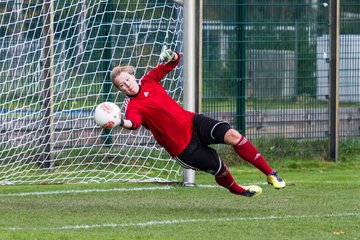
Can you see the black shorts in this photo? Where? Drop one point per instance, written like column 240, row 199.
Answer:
column 198, row 155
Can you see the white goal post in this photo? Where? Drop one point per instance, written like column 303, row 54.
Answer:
column 55, row 60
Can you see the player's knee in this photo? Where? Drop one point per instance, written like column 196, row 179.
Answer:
column 232, row 137
column 219, row 131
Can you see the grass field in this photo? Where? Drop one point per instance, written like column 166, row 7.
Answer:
column 320, row 202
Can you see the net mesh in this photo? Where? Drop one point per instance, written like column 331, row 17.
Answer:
column 56, row 57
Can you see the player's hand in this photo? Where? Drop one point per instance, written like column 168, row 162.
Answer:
column 167, row 56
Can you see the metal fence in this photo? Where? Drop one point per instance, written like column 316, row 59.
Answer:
column 265, row 69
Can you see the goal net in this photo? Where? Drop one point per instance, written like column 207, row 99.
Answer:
column 56, row 57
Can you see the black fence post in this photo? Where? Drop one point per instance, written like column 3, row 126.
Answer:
column 241, row 68
column 334, row 33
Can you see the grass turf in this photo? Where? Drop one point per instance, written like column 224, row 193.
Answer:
column 319, row 202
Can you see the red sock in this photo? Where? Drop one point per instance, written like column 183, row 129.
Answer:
column 226, row 180
column 249, row 153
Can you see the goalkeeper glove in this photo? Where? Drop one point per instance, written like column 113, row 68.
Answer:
column 167, row 55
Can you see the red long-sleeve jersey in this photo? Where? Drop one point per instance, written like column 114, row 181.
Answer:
column 153, row 108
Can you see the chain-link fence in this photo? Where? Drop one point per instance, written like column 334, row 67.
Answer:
column 265, row 69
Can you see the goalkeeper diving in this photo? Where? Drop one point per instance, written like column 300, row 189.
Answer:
column 185, row 135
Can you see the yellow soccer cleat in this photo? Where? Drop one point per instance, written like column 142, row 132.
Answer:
column 252, row 191
column 275, row 180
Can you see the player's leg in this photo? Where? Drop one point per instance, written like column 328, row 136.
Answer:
column 225, row 179
column 201, row 157
column 247, row 151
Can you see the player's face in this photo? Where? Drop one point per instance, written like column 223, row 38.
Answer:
column 127, row 84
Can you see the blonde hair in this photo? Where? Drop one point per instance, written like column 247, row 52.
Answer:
column 118, row 70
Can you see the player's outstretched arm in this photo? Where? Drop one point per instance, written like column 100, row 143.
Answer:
column 169, row 60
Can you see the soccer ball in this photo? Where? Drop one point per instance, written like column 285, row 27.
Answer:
column 107, row 115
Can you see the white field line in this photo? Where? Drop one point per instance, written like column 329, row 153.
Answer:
column 21, row 194
column 179, row 221
column 167, row 187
